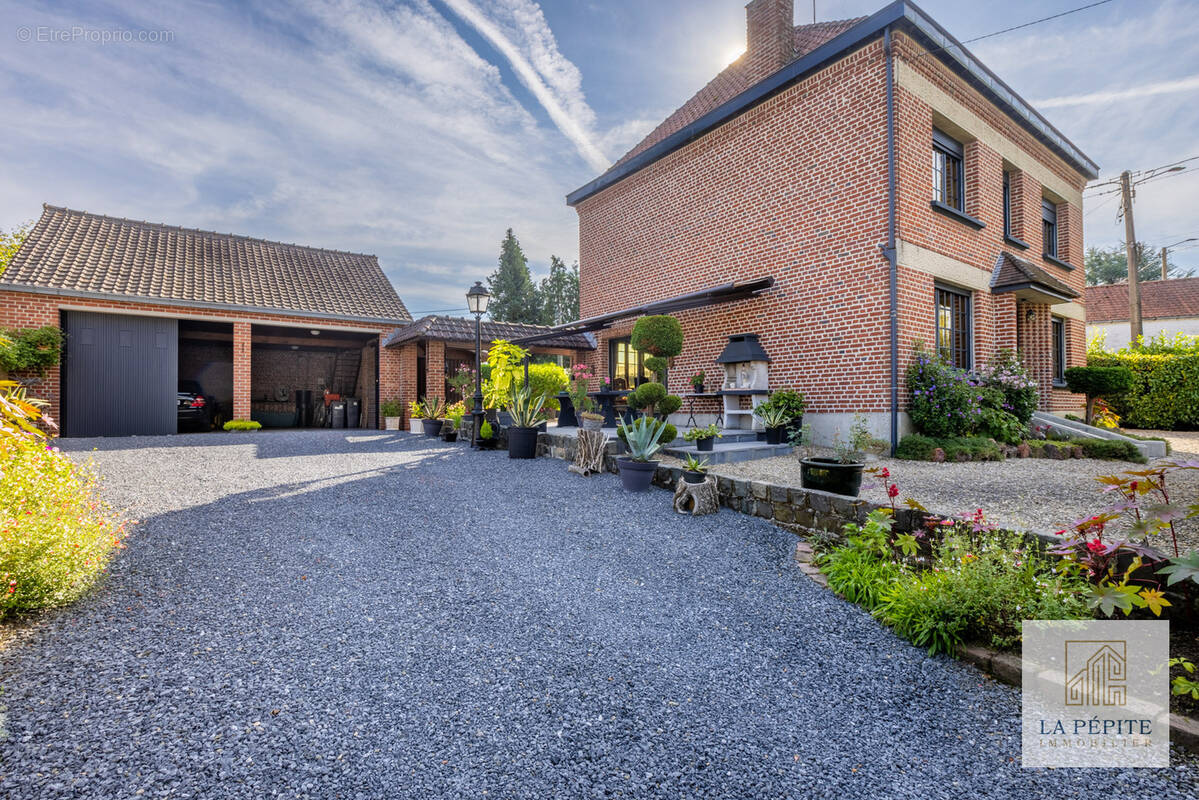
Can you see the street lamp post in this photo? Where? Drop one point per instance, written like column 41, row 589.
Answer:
column 476, row 300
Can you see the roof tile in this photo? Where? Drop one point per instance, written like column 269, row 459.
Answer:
column 460, row 329
column 79, row 251
column 1174, row 298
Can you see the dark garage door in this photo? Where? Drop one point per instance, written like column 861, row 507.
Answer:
column 121, row 375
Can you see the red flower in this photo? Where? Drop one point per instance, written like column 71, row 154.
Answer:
column 1095, row 546
column 885, row 473
column 893, row 490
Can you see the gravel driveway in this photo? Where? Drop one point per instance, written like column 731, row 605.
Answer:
column 310, row 614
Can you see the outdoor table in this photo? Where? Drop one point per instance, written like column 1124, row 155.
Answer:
column 691, row 398
column 607, row 403
column 566, row 412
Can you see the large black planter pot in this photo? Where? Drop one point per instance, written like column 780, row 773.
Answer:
column 761, row 436
column 432, row 427
column 704, row 445
column 566, row 412
column 692, row 476
column 636, row 476
column 697, row 389
column 522, row 442
column 830, row 475
column 775, row 435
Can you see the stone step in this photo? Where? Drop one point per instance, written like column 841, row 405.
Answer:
column 725, row 452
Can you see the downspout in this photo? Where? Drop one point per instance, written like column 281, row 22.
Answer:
column 889, row 250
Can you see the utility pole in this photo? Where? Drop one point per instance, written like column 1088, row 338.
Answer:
column 1130, row 248
column 1165, row 269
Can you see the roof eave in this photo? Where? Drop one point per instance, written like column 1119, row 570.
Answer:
column 900, row 13
column 173, row 303
column 1031, row 290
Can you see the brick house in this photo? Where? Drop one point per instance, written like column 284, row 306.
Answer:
column 894, row 189
column 144, row 306
column 1168, row 308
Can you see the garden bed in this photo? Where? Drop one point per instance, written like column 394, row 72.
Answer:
column 1024, row 494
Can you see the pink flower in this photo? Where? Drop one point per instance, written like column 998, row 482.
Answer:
column 885, row 473
column 1095, row 546
column 893, row 490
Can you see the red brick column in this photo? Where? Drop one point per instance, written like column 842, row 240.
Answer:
column 1069, row 234
column 1005, row 322
column 241, row 370
column 391, row 377
column 406, row 356
column 435, row 369
column 1036, row 345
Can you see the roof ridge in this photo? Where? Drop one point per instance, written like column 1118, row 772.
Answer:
column 166, row 227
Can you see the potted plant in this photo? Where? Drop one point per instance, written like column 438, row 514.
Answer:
column 695, row 471
column 391, row 410
column 416, row 412
column 462, row 380
column 841, row 474
column 637, row 469
column 525, row 408
column 453, row 421
column 774, row 418
column 486, row 438
column 703, row 438
column 793, row 404
column 591, row 421
column 580, row 403
column 431, row 418
column 697, row 382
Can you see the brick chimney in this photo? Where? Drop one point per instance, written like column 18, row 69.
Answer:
column 770, row 38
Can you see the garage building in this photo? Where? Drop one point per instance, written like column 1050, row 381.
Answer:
column 271, row 331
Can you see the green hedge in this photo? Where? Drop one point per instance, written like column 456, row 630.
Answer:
column 1165, row 389
column 916, row 447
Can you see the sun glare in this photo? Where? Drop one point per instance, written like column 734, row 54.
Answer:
column 732, row 54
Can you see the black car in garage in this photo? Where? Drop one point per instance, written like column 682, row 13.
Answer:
column 197, row 411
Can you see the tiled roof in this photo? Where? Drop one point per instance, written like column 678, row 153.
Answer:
column 461, row 329
column 94, row 254
column 1012, row 272
column 733, row 80
column 1174, row 298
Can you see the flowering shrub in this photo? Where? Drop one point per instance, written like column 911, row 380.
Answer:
column 56, row 537
column 461, row 381
column 1008, row 374
column 580, row 383
column 944, row 400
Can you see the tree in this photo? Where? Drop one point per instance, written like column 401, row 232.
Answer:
column 1111, row 265
column 513, row 293
column 1096, row 382
column 11, row 242
column 560, row 293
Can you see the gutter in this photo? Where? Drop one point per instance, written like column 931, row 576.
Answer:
column 890, row 249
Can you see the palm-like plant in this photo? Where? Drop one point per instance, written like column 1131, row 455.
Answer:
column 642, row 437
column 772, row 416
column 694, row 465
column 525, row 407
column 432, row 407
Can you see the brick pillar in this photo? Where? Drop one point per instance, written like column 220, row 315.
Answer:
column 1026, row 211
column 984, row 183
column 1069, row 234
column 391, row 378
column 1005, row 322
column 407, row 372
column 1036, row 345
column 241, row 370
column 435, row 369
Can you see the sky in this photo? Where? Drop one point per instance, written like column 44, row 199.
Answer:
column 419, row 130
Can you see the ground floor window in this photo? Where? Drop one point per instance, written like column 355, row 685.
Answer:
column 953, row 327
column 625, row 365
column 1059, row 351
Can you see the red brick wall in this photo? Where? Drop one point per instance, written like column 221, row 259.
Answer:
column 23, row 310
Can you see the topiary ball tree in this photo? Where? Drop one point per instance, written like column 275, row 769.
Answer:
column 659, row 335
column 1096, row 382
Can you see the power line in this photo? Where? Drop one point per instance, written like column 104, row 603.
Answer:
column 1018, row 27
column 1135, row 172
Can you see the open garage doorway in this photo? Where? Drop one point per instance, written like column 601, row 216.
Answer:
column 313, row 377
column 205, row 392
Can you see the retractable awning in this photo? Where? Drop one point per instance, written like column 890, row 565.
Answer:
column 724, row 293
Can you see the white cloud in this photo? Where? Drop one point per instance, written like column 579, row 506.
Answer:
column 1115, row 95
column 551, row 79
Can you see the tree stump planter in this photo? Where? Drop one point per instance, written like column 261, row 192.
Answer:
column 590, row 452
column 696, row 499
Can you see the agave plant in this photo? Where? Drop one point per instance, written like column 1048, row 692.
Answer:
column 772, row 416
column 432, row 407
column 694, row 465
column 642, row 438
column 525, row 407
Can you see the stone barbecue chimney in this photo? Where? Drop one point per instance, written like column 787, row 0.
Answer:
column 770, row 37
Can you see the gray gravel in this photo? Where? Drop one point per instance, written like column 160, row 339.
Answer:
column 314, row 615
column 1027, row 493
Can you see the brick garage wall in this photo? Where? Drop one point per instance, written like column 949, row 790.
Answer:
column 26, row 309
column 210, row 363
column 275, row 368
column 795, row 188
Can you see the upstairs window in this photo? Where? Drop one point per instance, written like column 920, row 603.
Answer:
column 1059, row 351
column 1049, row 227
column 953, row 327
column 948, row 180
